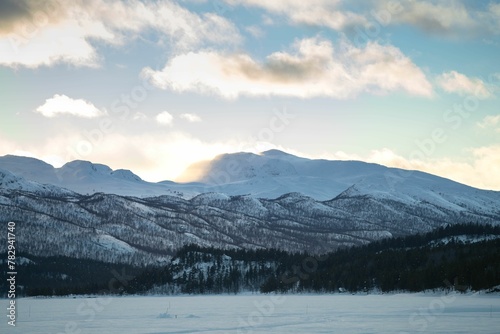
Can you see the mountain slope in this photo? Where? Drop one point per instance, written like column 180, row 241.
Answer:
column 260, row 201
column 54, row 221
column 9, row 181
column 267, row 175
column 460, row 257
column 274, row 173
column 87, row 178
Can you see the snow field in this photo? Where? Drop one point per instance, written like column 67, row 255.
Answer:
column 400, row 313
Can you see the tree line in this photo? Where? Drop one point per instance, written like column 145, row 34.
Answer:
column 460, row 257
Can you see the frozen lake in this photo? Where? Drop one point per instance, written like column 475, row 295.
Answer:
column 400, row 313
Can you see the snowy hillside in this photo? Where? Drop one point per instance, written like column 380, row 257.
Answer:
column 9, row 181
column 55, row 221
column 238, row 200
column 274, row 173
column 267, row 175
column 87, row 178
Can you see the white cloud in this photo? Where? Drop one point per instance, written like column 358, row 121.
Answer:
column 255, row 31
column 455, row 18
column 435, row 17
column 489, row 122
column 313, row 12
column 454, row 82
column 61, row 104
column 65, row 32
column 139, row 116
column 164, row 118
column 61, row 43
column 190, row 117
column 311, row 69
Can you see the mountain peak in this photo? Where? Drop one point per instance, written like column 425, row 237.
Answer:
column 274, row 153
column 284, row 156
column 87, row 165
column 24, row 159
column 83, row 177
column 16, row 162
column 126, row 175
column 237, row 167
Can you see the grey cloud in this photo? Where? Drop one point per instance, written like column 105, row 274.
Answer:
column 28, row 13
column 12, row 11
column 281, row 70
column 453, row 18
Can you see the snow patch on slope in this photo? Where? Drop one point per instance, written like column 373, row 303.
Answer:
column 111, row 243
column 464, row 239
column 10, row 181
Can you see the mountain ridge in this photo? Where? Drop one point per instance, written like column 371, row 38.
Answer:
column 128, row 229
column 267, row 175
column 227, row 172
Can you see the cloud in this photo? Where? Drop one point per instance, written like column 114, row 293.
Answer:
column 490, row 122
column 164, row 118
column 63, row 105
column 327, row 13
column 139, row 116
column 16, row 14
column 454, row 82
column 456, row 18
column 190, row 117
column 435, row 17
column 35, row 33
column 62, row 43
column 255, row 31
column 312, row 68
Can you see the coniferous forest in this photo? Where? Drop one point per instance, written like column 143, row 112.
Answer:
column 464, row 257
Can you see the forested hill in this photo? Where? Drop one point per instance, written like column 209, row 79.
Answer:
column 461, row 257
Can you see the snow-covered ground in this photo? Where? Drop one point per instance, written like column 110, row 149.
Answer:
column 400, row 313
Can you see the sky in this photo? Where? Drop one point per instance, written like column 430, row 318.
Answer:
column 153, row 86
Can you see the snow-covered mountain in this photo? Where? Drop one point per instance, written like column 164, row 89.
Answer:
column 235, row 201
column 147, row 230
column 274, row 173
column 85, row 177
column 12, row 182
column 266, row 175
